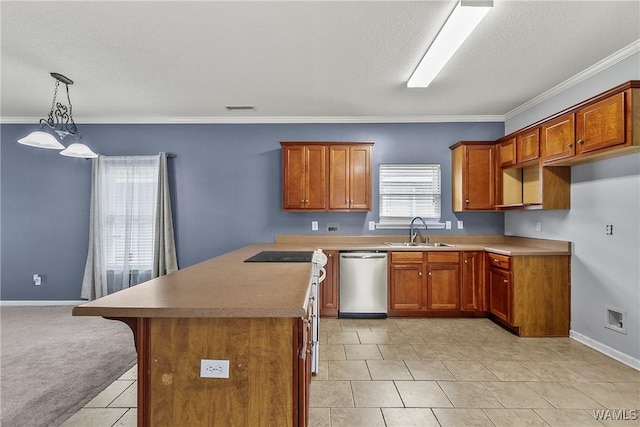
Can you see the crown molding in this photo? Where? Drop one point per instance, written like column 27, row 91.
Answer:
column 596, row 68
column 268, row 119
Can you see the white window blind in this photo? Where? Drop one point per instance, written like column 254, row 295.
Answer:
column 407, row 191
column 130, row 212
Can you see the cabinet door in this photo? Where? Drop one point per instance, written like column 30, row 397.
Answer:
column 316, row 177
column 360, row 177
column 500, row 288
column 443, row 286
column 471, row 287
column 329, row 287
column 339, row 177
column 304, row 177
column 601, row 125
column 507, row 153
column 528, row 146
column 558, row 138
column 406, row 287
column 479, row 177
column 293, row 183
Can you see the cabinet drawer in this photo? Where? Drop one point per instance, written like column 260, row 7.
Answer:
column 406, row 257
column 440, row 257
column 500, row 261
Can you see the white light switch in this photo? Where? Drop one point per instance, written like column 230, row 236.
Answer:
column 447, row 225
column 460, row 224
column 372, row 225
column 314, row 225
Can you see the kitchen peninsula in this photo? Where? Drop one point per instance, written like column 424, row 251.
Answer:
column 257, row 316
column 252, row 314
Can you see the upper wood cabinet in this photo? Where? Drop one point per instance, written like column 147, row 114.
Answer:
column 605, row 126
column 320, row 176
column 528, row 146
column 601, row 125
column 304, row 169
column 473, row 166
column 350, row 177
column 507, row 152
column 558, row 138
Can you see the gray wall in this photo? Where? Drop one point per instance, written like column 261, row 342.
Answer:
column 226, row 183
column 604, row 269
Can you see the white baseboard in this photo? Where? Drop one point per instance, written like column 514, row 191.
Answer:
column 605, row 349
column 40, row 303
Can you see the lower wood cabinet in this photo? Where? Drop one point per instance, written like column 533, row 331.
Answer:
column 443, row 280
column 406, row 284
column 472, row 297
column 529, row 294
column 329, row 287
column 433, row 283
column 500, row 293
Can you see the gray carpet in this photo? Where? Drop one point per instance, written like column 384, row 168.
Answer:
column 52, row 363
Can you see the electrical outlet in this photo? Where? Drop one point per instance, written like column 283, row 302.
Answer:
column 37, row 279
column 372, row 225
column 314, row 225
column 460, row 225
column 609, row 229
column 538, row 226
column 214, row 368
column 447, row 225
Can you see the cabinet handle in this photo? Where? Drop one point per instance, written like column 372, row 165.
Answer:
column 505, row 280
column 580, row 141
column 496, row 260
column 330, row 255
column 420, row 273
column 466, row 201
column 569, row 145
column 429, row 273
column 466, row 261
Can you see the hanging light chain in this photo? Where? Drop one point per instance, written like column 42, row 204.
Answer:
column 60, row 118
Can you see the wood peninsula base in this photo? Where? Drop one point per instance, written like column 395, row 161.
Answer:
column 268, row 379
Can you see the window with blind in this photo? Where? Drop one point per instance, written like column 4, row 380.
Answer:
column 129, row 215
column 407, row 191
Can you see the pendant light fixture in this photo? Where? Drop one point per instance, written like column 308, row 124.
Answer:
column 59, row 122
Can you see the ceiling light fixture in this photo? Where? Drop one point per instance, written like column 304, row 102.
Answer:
column 60, row 121
column 463, row 20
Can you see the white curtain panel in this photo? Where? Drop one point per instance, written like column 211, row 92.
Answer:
column 131, row 231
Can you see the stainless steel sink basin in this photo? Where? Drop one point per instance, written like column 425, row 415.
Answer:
column 426, row 245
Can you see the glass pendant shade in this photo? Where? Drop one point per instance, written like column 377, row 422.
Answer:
column 41, row 139
column 78, row 150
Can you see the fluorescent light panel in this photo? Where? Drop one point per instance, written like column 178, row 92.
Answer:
column 463, row 20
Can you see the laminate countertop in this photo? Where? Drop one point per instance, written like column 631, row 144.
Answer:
column 226, row 286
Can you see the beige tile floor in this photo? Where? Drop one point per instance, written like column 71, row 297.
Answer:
column 439, row 372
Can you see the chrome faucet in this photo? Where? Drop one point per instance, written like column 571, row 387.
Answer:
column 412, row 232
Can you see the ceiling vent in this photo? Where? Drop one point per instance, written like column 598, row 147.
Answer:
column 240, row 108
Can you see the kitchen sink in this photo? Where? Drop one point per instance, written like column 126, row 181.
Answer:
column 424, row 245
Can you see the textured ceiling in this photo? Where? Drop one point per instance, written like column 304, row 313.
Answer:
column 294, row 60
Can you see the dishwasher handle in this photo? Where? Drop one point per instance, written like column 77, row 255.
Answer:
column 367, row 256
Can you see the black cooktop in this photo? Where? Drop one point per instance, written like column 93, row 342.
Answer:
column 281, row 256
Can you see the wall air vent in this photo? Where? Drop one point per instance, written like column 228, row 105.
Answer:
column 240, row 108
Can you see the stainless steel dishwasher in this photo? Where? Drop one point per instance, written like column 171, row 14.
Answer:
column 363, row 284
